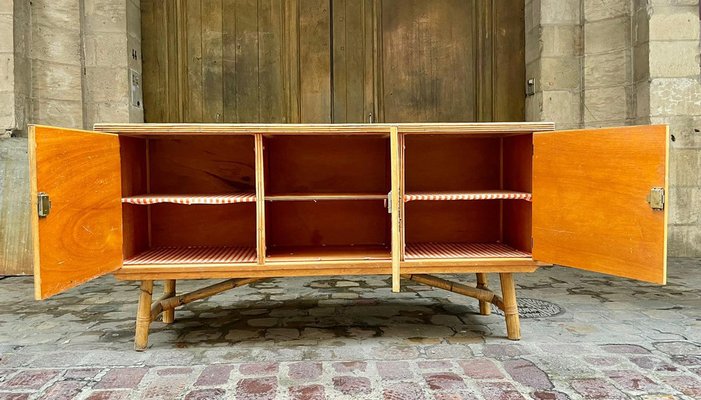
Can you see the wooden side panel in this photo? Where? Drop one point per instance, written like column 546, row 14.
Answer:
column 326, row 223
column 517, row 171
column 203, row 225
column 271, row 82
column 452, row 221
column 202, row 164
column 134, row 153
column 81, row 238
column 589, row 200
column 509, row 69
column 327, row 164
column 353, row 77
column 194, row 102
column 428, row 61
column 451, row 163
column 15, row 235
column 212, row 69
column 315, row 61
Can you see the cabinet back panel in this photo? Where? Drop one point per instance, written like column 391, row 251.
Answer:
column 452, row 221
column 451, row 163
column 330, row 223
column 326, row 164
column 517, row 224
column 134, row 182
column 202, row 164
column 518, row 175
column 518, row 163
column 203, row 225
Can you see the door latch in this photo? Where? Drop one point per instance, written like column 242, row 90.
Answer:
column 44, row 204
column 656, row 198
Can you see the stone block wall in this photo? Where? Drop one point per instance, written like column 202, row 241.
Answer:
column 674, row 98
column 622, row 62
column 65, row 63
column 595, row 63
column 554, row 61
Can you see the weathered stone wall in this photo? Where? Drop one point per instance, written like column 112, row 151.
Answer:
column 622, row 62
column 65, row 63
column 675, row 99
column 7, row 67
column 554, row 60
column 607, row 75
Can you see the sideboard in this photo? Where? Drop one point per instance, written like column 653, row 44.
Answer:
column 244, row 202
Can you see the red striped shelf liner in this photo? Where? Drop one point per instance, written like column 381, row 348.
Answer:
column 476, row 195
column 461, row 250
column 194, row 255
column 190, row 199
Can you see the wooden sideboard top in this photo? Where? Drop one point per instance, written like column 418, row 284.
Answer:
column 299, row 129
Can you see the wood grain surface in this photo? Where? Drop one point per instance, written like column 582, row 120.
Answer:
column 81, row 238
column 589, row 200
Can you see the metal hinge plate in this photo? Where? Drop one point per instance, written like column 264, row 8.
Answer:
column 656, row 198
column 43, row 204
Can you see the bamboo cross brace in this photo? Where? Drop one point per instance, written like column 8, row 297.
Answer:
column 485, row 295
column 170, row 303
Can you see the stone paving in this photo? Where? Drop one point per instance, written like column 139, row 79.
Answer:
column 351, row 338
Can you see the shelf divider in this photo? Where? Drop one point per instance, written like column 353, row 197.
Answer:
column 194, row 255
column 325, row 196
column 468, row 195
column 190, row 199
column 434, row 250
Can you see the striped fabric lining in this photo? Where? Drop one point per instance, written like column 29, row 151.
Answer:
column 461, row 250
column 194, row 255
column 191, row 199
column 485, row 195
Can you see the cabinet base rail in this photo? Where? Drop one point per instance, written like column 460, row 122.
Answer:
column 149, row 311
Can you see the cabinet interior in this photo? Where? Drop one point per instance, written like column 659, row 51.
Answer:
column 326, row 197
column 189, row 199
column 193, row 200
column 467, row 196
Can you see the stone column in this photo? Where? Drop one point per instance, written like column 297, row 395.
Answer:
column 675, row 99
column 553, row 60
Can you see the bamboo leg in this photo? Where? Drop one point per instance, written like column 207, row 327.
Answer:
column 483, row 283
column 508, row 291
column 143, row 316
column 169, row 291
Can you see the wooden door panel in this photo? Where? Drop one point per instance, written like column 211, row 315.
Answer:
column 81, row 238
column 589, row 200
column 427, row 61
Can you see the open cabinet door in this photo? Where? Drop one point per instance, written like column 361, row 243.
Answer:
column 598, row 200
column 77, row 230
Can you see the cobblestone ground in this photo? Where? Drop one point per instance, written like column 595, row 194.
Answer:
column 350, row 338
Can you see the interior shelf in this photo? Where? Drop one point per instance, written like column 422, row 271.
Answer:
column 325, row 196
column 194, row 255
column 468, row 195
column 432, row 250
column 190, row 199
column 327, row 253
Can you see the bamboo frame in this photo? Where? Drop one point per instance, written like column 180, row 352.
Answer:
column 395, row 205
column 143, row 316
column 508, row 290
column 166, row 304
column 169, row 291
column 483, row 283
column 507, row 303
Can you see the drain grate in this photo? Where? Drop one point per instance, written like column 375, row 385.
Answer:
column 534, row 308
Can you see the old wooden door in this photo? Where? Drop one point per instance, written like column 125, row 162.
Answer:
column 333, row 60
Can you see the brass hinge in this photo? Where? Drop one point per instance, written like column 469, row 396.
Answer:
column 656, row 198
column 43, row 204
